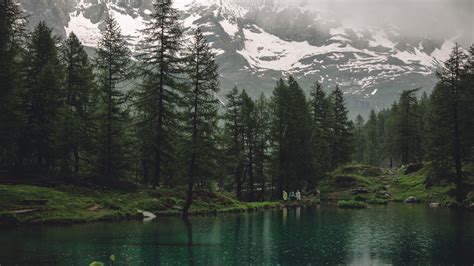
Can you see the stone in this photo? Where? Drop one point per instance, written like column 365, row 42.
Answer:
column 411, row 199
column 434, row 204
column 148, row 216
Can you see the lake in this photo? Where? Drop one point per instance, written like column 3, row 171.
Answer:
column 395, row 234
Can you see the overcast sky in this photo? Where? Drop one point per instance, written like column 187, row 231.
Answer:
column 437, row 18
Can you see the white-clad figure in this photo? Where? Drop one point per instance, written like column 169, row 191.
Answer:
column 298, row 195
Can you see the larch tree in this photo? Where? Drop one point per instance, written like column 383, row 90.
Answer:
column 159, row 97
column 234, row 138
column 200, row 115
column 320, row 105
column 341, row 136
column 12, row 30
column 79, row 89
column 450, row 89
column 113, row 64
column 41, row 100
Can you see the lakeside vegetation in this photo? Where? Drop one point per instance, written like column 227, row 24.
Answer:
column 73, row 204
column 352, row 186
column 155, row 121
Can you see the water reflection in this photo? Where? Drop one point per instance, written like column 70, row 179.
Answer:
column 397, row 234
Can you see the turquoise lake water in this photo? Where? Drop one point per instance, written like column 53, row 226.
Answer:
column 396, row 234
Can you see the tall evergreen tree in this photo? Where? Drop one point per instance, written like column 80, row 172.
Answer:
column 12, row 32
column 407, row 124
column 79, row 87
column 451, row 88
column 262, row 133
column 291, row 133
column 41, row 99
column 320, row 106
column 359, row 140
column 200, row 115
column 372, row 137
column 249, row 140
column 280, row 117
column 234, row 144
column 113, row 64
column 160, row 93
column 341, row 137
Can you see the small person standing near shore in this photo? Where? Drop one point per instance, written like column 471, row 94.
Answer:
column 298, row 195
column 285, row 195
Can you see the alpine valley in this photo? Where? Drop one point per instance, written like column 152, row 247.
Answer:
column 258, row 41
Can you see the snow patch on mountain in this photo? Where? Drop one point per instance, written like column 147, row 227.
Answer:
column 87, row 32
column 230, row 28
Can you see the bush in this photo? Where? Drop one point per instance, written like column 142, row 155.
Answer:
column 360, row 198
column 412, row 168
column 8, row 218
column 351, row 204
column 377, row 201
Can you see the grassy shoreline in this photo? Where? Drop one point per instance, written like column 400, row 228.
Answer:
column 73, row 205
column 373, row 185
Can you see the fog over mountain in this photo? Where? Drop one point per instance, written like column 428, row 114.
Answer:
column 372, row 48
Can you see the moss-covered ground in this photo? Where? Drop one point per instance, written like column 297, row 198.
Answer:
column 72, row 204
column 374, row 185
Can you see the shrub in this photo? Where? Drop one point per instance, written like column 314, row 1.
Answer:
column 360, row 198
column 377, row 201
column 351, row 204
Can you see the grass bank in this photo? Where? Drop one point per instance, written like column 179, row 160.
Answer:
column 26, row 204
column 373, row 185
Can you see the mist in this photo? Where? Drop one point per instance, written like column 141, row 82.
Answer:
column 441, row 19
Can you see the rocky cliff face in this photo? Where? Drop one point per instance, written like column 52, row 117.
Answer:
column 258, row 41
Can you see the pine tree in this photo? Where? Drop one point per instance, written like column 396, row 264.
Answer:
column 200, row 115
column 341, row 137
column 12, row 33
column 233, row 129
column 280, row 117
column 249, row 137
column 79, row 87
column 159, row 97
column 299, row 134
column 359, row 140
column 320, row 105
column 292, row 129
column 262, row 133
column 407, row 124
column 451, row 85
column 113, row 64
column 372, row 137
column 389, row 146
column 41, row 100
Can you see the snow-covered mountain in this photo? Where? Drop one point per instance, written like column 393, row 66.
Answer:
column 258, row 41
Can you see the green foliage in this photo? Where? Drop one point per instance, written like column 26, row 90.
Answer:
column 159, row 96
column 341, row 138
column 377, row 201
column 351, row 204
column 113, row 65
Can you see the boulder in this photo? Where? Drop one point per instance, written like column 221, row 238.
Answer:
column 434, row 204
column 411, row 199
column 148, row 216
